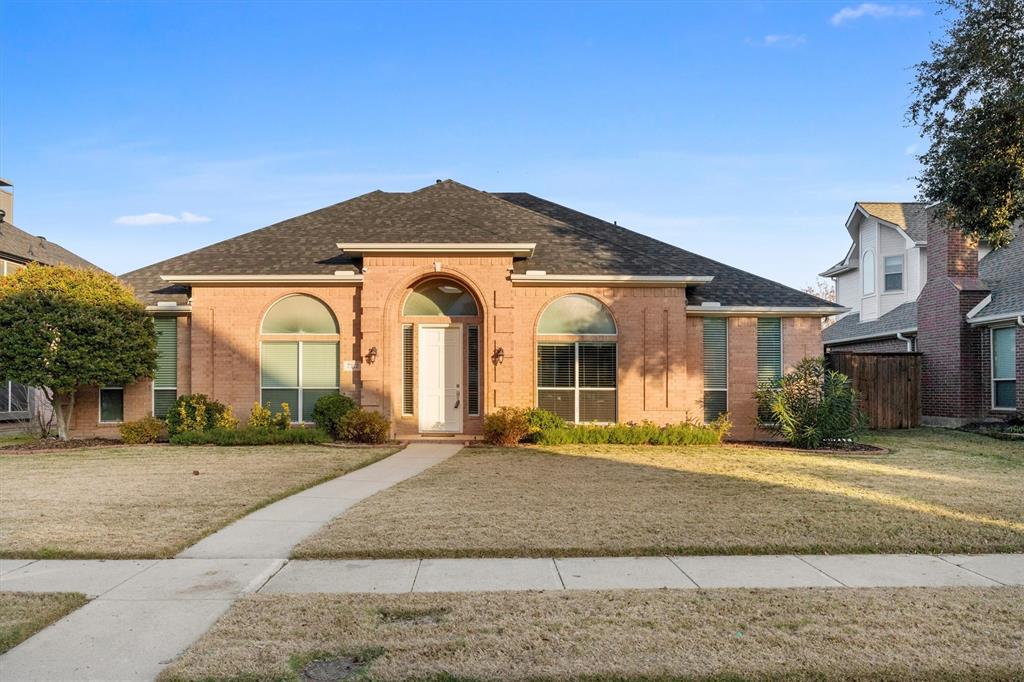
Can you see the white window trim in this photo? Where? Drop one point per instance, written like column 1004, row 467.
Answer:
column 297, row 413
column 992, row 367
column 903, row 275
column 576, row 379
column 99, row 404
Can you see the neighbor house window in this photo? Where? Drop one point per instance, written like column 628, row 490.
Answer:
column 868, row 272
column 165, row 381
column 13, row 400
column 112, row 404
column 1004, row 368
column 298, row 371
column 769, row 355
column 716, row 367
column 893, row 273
column 576, row 379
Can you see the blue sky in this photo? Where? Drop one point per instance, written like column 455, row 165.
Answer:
column 742, row 131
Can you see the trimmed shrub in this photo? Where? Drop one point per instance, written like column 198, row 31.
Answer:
column 259, row 417
column 365, row 426
column 644, row 433
column 251, row 436
column 507, row 426
column 811, row 406
column 329, row 410
column 282, row 420
column 541, row 419
column 195, row 412
column 226, row 420
column 145, row 430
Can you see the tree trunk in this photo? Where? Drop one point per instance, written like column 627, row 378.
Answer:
column 63, row 406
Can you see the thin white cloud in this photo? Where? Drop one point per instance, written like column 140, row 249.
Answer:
column 911, row 150
column 148, row 219
column 781, row 40
column 873, row 10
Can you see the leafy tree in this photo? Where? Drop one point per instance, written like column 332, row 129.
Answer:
column 969, row 101
column 65, row 328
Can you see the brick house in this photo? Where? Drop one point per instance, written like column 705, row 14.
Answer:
column 437, row 306
column 913, row 284
column 21, row 406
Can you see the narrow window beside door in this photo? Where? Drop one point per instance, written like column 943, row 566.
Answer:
column 769, row 355
column 473, row 370
column 165, row 381
column 408, row 384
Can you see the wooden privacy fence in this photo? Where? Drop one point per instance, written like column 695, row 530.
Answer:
column 889, row 386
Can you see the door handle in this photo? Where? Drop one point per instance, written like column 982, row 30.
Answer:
column 458, row 397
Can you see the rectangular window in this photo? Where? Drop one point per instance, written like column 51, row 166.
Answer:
column 298, row 373
column 13, row 400
column 408, row 383
column 577, row 381
column 111, row 404
column 716, row 367
column 473, row 370
column 1004, row 368
column 165, row 381
column 893, row 273
column 769, row 354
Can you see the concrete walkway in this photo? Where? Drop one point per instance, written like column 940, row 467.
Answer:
column 145, row 613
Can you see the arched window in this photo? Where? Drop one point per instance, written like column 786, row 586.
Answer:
column 576, row 377
column 298, row 371
column 440, row 297
column 868, row 272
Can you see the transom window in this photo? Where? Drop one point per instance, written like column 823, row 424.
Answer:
column 298, row 372
column 577, row 379
column 440, row 298
column 893, row 273
column 1004, row 368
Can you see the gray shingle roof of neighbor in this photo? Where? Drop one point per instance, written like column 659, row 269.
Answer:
column 27, row 247
column 568, row 242
column 900, row 319
column 911, row 216
column 1002, row 271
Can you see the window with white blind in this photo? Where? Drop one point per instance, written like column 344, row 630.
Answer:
column 165, row 381
column 769, row 354
column 298, row 372
column 716, row 367
column 577, row 379
column 893, row 273
column 1004, row 368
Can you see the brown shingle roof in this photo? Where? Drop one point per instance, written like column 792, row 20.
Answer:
column 912, row 216
column 23, row 246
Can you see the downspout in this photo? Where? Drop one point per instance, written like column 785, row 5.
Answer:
column 909, row 341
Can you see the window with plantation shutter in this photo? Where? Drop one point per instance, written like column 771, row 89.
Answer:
column 473, row 370
column 769, row 354
column 716, row 367
column 407, row 369
column 165, row 381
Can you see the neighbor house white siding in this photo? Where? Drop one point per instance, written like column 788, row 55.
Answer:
column 869, row 244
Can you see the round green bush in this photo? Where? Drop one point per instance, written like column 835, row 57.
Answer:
column 365, row 426
column 329, row 411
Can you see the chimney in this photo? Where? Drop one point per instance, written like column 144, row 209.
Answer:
column 953, row 391
column 6, row 201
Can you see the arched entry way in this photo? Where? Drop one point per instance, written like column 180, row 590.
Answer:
column 441, row 364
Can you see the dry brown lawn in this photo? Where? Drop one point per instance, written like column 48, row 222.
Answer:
column 937, row 491
column 145, row 501
column 22, row 614
column 899, row 634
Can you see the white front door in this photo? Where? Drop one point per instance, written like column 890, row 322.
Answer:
column 440, row 379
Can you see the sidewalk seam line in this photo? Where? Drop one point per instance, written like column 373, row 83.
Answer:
column 558, row 572
column 685, row 574
column 156, row 562
column 271, row 576
column 970, row 570
column 412, row 588
column 827, row 575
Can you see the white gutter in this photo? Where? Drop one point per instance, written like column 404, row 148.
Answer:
column 907, row 340
column 868, row 337
column 514, row 248
column 978, row 308
column 175, row 308
column 988, row 319
column 344, row 276
column 706, row 310
column 543, row 278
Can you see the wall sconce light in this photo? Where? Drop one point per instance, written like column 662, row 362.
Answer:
column 498, row 356
column 371, row 355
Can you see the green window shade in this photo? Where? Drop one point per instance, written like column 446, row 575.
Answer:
column 163, row 401
column 407, row 373
column 166, row 352
column 111, row 404
column 273, row 398
column 769, row 349
column 319, row 365
column 576, row 314
column 716, row 367
column 299, row 315
column 280, row 366
column 309, row 398
column 1004, row 353
column 473, row 370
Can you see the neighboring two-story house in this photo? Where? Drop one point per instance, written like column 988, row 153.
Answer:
column 913, row 284
column 19, row 404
